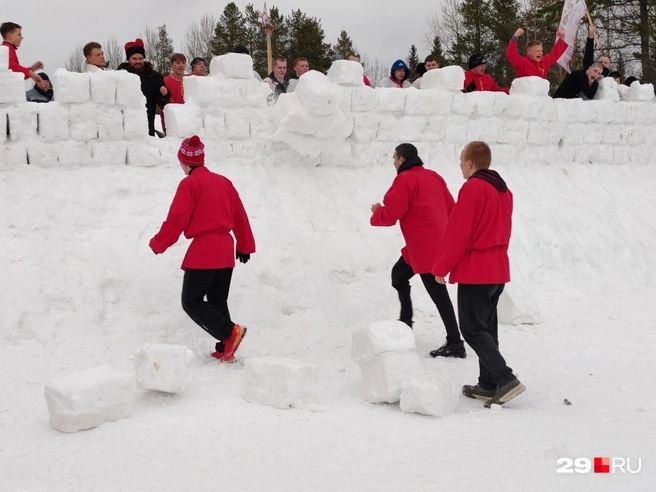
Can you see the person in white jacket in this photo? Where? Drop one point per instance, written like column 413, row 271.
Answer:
column 398, row 76
column 93, row 52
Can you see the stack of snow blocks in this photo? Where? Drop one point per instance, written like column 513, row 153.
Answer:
column 12, row 93
column 87, row 399
column 386, row 352
column 162, row 367
column 430, row 394
column 280, row 383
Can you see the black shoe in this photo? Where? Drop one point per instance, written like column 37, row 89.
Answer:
column 450, row 350
column 506, row 393
column 478, row 393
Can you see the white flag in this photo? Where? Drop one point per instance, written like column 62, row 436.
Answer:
column 573, row 12
column 264, row 16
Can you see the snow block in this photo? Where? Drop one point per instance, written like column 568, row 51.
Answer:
column 485, row 129
column 162, row 367
column 462, row 104
column 448, row 78
column 43, row 154
column 4, row 59
column 87, row 399
column 278, row 382
column 135, row 123
column 531, row 86
column 365, row 126
column 607, row 90
column 12, row 87
column 22, row 120
column 364, row 99
column 110, row 123
column 3, row 125
column 128, row 90
column 13, row 154
column 71, row 87
column 72, row 153
column 315, row 92
column 232, row 66
column 418, row 102
column 182, row 120
column 53, row 121
column 384, row 375
column 346, row 73
column 214, row 125
column 523, row 312
column 435, row 128
column 237, row 125
column 103, row 87
column 142, row 154
column 83, row 122
column 430, row 394
column 109, row 153
column 487, row 103
column 380, row 338
column 391, row 100
column 257, row 93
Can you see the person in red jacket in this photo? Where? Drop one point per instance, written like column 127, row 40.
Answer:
column 420, row 200
column 173, row 83
column 207, row 207
column 12, row 37
column 477, row 80
column 475, row 254
column 535, row 63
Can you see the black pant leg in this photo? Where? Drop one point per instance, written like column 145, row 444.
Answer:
column 477, row 312
column 440, row 296
column 219, row 290
column 401, row 275
column 196, row 285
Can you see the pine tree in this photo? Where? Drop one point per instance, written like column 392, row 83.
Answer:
column 413, row 60
column 280, row 36
column 254, row 39
column 478, row 36
column 343, row 47
column 162, row 50
column 505, row 19
column 307, row 40
column 229, row 30
column 436, row 49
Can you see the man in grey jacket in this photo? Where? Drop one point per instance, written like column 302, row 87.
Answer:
column 36, row 94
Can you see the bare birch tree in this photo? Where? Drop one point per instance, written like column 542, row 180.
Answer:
column 76, row 61
column 114, row 53
column 197, row 40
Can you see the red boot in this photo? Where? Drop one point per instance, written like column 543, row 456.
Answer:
column 221, row 357
column 232, row 343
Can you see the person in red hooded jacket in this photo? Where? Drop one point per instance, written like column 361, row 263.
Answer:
column 207, row 207
column 420, row 200
column 535, row 63
column 475, row 254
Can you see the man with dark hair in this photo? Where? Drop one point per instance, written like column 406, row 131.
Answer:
column 421, row 202
column 535, row 63
column 152, row 82
column 12, row 37
column 588, row 57
column 278, row 80
column 199, row 67
column 36, row 94
column 173, row 81
column 580, row 83
column 477, row 80
column 474, row 253
column 95, row 57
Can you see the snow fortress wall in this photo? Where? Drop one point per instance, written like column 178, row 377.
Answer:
column 99, row 119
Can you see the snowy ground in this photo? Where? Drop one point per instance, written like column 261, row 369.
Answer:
column 81, row 288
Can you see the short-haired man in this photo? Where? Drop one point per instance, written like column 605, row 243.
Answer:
column 12, row 37
column 430, row 63
column 477, row 80
column 278, row 80
column 95, row 57
column 173, row 81
column 356, row 58
column 301, row 65
column 398, row 78
column 474, row 253
column 207, row 208
column 535, row 63
column 199, row 67
column 421, row 202
column 152, row 82
column 38, row 95
column 588, row 57
column 580, row 83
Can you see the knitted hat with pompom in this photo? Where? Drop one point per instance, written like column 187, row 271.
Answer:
column 192, row 152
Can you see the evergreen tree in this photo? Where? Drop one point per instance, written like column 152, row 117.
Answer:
column 254, row 38
column 162, row 50
column 413, row 60
column 436, row 49
column 505, row 19
column 478, row 36
column 229, row 30
column 307, row 39
column 343, row 47
column 280, row 36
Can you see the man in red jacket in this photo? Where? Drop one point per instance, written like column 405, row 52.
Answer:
column 475, row 253
column 477, row 80
column 206, row 207
column 535, row 63
column 421, row 202
column 12, row 37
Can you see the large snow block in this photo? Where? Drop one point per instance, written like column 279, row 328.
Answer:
column 71, row 87
column 53, row 121
column 128, row 90
column 86, row 399
column 418, row 102
column 383, row 376
column 103, row 87
column 110, row 153
column 531, row 86
column 135, row 123
column 3, row 125
column 316, row 93
column 363, row 100
column 43, row 154
column 162, row 367
column 4, row 59
column 72, row 153
column 22, row 120
column 462, row 104
column 232, row 66
column 430, row 394
column 182, row 120
column 110, row 123
column 382, row 337
column 12, row 87
column 141, row 154
column 214, row 125
column 346, row 73
column 83, row 122
column 280, row 383
column 391, row 100
column 237, row 125
column 13, row 154
column 607, row 90
column 448, row 78
column 365, row 126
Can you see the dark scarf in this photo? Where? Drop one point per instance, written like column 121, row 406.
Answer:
column 281, row 87
column 409, row 163
column 491, row 177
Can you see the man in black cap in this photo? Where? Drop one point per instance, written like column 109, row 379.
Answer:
column 477, row 80
column 36, row 94
column 199, row 67
column 152, row 82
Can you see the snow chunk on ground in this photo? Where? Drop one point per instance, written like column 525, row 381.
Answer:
column 517, row 307
column 346, row 73
column 532, row 86
column 430, row 394
column 71, row 87
column 162, row 367
column 449, row 78
column 383, row 376
column 86, row 399
column 278, row 382
column 382, row 337
column 232, row 66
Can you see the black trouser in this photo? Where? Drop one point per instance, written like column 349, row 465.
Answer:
column 211, row 315
column 477, row 311
column 401, row 275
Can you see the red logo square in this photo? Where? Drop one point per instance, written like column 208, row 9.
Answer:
column 602, row 465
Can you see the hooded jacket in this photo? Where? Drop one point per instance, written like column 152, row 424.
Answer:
column 391, row 82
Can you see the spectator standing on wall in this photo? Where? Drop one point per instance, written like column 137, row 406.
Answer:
column 152, row 82
column 430, row 63
column 12, row 37
column 477, row 80
column 199, row 67
column 398, row 76
column 588, row 57
column 421, row 202
column 535, row 63
column 356, row 58
column 244, row 51
column 580, row 83
column 95, row 57
column 36, row 94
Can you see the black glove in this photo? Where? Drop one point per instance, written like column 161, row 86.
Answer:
column 242, row 257
column 471, row 87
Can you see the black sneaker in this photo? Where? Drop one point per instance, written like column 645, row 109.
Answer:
column 506, row 393
column 478, row 393
column 450, row 350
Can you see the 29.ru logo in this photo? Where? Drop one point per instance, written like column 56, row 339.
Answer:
column 599, row 465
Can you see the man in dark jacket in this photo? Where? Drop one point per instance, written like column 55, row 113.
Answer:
column 588, row 57
column 37, row 94
column 580, row 83
column 421, row 202
column 152, row 82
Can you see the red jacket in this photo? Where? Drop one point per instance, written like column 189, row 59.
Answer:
column 206, row 207
column 175, row 88
column 366, row 81
column 14, row 66
column 475, row 245
column 421, row 202
column 525, row 67
column 483, row 82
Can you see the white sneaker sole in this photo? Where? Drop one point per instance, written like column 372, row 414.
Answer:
column 516, row 391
